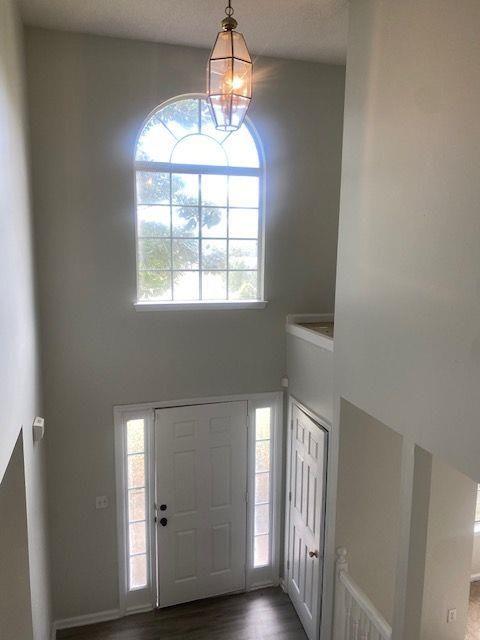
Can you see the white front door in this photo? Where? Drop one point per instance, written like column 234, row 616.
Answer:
column 201, row 467
column 308, row 449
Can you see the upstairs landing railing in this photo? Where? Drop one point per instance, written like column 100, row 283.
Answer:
column 356, row 617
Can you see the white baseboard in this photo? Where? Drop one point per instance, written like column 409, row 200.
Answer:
column 140, row 608
column 89, row 618
column 475, row 577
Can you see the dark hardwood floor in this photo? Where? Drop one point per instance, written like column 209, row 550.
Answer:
column 266, row 614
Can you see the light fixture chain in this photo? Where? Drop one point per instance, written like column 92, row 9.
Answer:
column 229, row 10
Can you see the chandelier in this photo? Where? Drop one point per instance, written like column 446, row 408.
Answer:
column 229, row 76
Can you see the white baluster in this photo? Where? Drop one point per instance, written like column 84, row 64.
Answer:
column 348, row 616
column 339, row 627
column 356, row 623
column 366, row 629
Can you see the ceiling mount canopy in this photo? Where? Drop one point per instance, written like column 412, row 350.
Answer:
column 229, row 75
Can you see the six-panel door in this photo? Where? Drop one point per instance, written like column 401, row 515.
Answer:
column 201, row 465
column 306, row 523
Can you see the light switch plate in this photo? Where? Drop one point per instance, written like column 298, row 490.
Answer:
column 101, row 502
column 451, row 615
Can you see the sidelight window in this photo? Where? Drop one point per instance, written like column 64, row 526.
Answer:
column 137, row 506
column 263, row 496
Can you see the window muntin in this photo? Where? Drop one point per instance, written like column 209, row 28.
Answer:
column 263, row 491
column 199, row 217
column 136, row 505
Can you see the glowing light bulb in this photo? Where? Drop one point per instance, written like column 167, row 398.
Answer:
column 236, row 82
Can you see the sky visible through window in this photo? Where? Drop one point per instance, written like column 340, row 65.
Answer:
column 198, row 208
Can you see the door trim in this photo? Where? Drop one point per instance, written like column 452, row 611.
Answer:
column 148, row 599
column 329, row 516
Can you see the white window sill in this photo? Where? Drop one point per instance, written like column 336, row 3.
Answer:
column 200, row 305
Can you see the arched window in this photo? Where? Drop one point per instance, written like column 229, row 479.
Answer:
column 199, row 209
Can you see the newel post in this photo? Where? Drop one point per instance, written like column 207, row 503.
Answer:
column 341, row 566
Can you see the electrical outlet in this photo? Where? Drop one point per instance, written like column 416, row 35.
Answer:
column 451, row 615
column 101, row 502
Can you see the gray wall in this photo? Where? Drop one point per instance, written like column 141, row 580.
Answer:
column 88, row 97
column 15, row 609
column 19, row 387
column 407, row 336
column 368, row 503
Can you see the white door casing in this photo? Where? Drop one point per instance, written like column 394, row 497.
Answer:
column 307, row 484
column 201, row 467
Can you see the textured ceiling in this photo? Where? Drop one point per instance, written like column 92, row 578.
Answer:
column 298, row 29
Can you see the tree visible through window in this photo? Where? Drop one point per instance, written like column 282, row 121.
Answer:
column 198, row 208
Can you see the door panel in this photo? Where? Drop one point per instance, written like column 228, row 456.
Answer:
column 201, row 463
column 306, row 521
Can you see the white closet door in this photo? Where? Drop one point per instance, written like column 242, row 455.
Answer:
column 201, row 466
column 306, row 523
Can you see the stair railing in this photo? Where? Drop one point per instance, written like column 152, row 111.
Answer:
column 356, row 617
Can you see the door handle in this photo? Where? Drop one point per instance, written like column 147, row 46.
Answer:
column 163, row 522
column 313, row 554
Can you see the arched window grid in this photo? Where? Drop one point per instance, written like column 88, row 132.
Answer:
column 210, row 245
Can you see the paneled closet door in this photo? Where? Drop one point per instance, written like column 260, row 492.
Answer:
column 306, row 523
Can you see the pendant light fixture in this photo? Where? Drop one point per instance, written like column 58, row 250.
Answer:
column 229, row 76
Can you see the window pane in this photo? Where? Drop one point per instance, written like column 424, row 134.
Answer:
column 153, row 221
column 241, row 149
column 136, row 471
column 186, row 285
column 156, row 142
column 181, row 117
column 214, row 254
column 154, row 254
column 185, row 254
column 477, row 512
column 262, row 519
column 261, row 551
column 262, row 456
column 153, row 188
column 262, row 488
column 214, row 222
column 138, row 572
column 199, row 149
column 185, row 189
column 137, row 539
column 243, row 254
column 136, row 504
column 135, row 436
column 243, row 223
column 214, row 190
column 185, row 221
column 243, row 191
column 262, row 423
column 208, row 126
column 242, row 285
column 155, row 285
column 214, row 285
